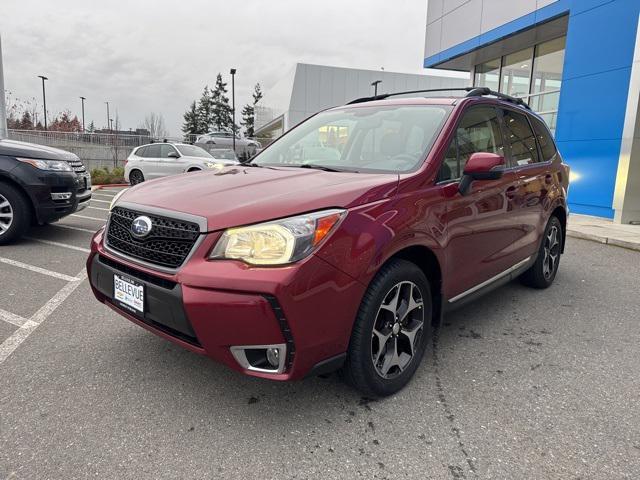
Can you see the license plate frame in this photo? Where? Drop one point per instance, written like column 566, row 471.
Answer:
column 129, row 294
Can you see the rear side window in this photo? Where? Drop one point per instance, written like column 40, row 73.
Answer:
column 520, row 136
column 152, row 151
column 478, row 131
column 545, row 141
column 140, row 151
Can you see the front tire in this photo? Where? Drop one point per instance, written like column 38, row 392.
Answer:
column 543, row 272
column 391, row 331
column 15, row 214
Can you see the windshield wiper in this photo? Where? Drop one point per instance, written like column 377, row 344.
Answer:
column 315, row 166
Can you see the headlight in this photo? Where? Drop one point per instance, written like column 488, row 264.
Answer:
column 52, row 165
column 214, row 165
column 278, row 242
column 115, row 199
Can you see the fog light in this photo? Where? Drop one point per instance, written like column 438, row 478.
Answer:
column 61, row 196
column 273, row 357
column 261, row 358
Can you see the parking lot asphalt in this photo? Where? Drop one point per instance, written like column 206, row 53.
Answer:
column 520, row 384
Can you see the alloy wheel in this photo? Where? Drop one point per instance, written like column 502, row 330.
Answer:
column 6, row 214
column 551, row 252
column 135, row 177
column 397, row 330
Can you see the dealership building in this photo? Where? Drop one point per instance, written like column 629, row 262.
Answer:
column 577, row 63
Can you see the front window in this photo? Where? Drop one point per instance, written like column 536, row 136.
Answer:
column 388, row 139
column 193, row 151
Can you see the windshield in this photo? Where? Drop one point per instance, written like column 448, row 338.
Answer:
column 392, row 138
column 193, row 151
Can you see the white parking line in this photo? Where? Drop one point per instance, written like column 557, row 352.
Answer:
column 28, row 327
column 58, row 244
column 33, row 268
column 100, row 201
column 12, row 318
column 98, row 208
column 88, row 218
column 107, row 195
column 69, row 227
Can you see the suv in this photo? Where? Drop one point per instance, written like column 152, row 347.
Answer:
column 163, row 159
column 245, row 148
column 297, row 264
column 38, row 184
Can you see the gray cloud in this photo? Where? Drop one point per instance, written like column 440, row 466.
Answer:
column 145, row 56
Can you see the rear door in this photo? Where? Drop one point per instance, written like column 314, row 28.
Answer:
column 481, row 226
column 534, row 176
column 152, row 161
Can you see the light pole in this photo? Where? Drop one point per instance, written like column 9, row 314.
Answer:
column 233, row 107
column 83, row 99
column 111, row 124
column 44, row 99
column 375, row 87
column 108, row 116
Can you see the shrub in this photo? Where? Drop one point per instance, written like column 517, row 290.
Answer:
column 102, row 176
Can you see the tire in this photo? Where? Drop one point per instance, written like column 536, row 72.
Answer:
column 135, row 177
column 377, row 363
column 15, row 214
column 543, row 272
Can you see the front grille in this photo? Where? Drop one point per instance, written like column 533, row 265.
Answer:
column 168, row 244
column 77, row 166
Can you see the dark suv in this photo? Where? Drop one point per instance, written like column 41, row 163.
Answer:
column 342, row 243
column 38, row 184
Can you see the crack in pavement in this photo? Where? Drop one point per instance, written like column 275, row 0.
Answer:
column 455, row 431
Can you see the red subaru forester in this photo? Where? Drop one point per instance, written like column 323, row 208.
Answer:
column 344, row 242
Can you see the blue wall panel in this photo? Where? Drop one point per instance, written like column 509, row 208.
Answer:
column 599, row 54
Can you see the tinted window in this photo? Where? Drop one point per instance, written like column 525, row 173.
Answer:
column 478, row 131
column 521, row 138
column 140, row 151
column 544, row 139
column 165, row 150
column 152, row 151
column 193, row 151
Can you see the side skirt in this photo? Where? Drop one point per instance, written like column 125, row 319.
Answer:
column 488, row 285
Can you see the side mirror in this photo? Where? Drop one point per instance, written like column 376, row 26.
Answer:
column 481, row 166
column 173, row 155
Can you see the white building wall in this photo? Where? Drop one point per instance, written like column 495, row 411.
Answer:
column 317, row 87
column 3, row 107
column 451, row 22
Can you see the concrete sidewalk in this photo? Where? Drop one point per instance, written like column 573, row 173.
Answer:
column 604, row 231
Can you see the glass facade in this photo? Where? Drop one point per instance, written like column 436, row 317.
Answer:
column 534, row 74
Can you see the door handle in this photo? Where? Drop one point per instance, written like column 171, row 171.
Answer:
column 511, row 192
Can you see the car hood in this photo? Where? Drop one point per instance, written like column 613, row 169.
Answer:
column 12, row 148
column 244, row 195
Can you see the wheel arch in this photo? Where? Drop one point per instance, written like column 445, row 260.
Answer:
column 23, row 191
column 426, row 259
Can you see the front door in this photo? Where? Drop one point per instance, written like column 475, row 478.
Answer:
column 481, row 226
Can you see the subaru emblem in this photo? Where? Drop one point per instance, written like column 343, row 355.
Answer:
column 141, row 226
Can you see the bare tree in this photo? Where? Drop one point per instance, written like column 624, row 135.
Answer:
column 154, row 123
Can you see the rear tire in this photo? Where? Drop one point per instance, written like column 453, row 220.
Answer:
column 136, row 177
column 391, row 330
column 543, row 272
column 15, row 214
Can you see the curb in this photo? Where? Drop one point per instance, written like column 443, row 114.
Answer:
column 604, row 240
column 107, row 185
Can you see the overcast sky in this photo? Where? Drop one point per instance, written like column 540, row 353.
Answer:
column 145, row 56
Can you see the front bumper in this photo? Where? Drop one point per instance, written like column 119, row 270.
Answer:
column 210, row 306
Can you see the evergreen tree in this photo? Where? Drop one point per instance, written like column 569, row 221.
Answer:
column 25, row 122
column 92, row 127
column 191, row 124
column 249, row 112
column 204, row 111
column 221, row 114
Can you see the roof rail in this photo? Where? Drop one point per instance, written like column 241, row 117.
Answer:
column 482, row 91
column 471, row 92
column 382, row 96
